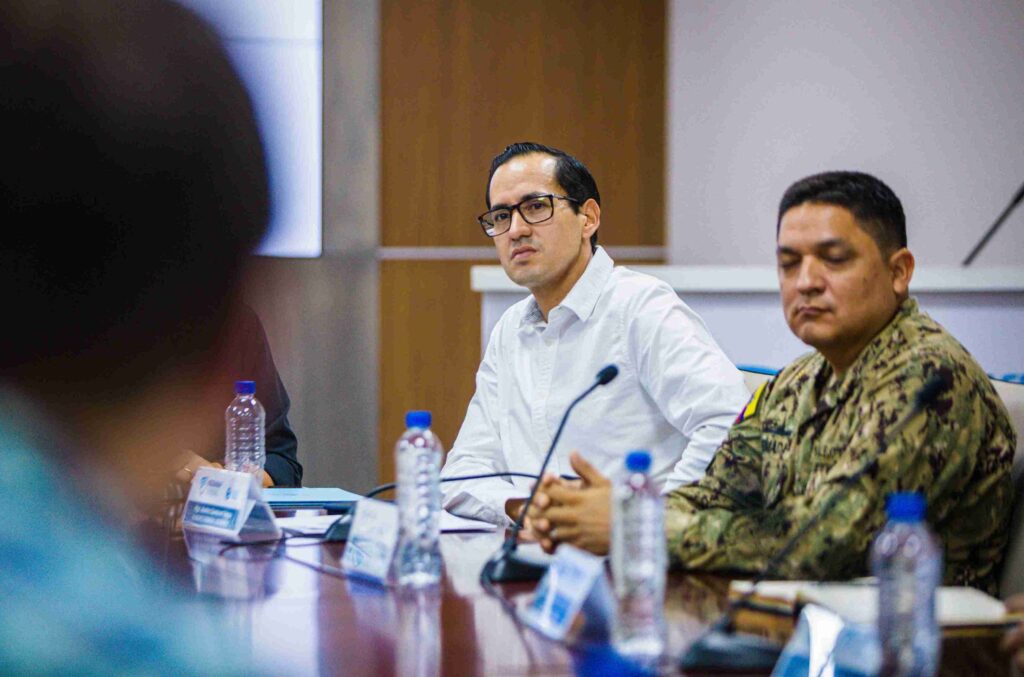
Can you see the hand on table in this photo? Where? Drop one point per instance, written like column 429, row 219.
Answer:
column 577, row 512
column 189, row 462
column 513, row 508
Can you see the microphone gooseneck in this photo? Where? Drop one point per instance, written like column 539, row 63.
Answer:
column 719, row 647
column 500, row 567
column 604, row 377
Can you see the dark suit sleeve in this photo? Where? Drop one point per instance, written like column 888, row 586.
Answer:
column 282, row 446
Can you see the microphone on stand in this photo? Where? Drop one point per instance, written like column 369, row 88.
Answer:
column 995, row 226
column 721, row 648
column 506, row 566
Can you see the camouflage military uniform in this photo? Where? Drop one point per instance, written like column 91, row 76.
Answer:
column 806, row 433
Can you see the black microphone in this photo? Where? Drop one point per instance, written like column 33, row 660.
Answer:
column 604, row 377
column 505, row 566
column 995, row 226
column 720, row 648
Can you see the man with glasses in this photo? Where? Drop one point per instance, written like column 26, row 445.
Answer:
column 676, row 393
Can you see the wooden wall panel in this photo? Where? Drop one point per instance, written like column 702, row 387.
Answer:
column 460, row 79
column 429, row 348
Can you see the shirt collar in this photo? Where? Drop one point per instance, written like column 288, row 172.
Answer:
column 584, row 295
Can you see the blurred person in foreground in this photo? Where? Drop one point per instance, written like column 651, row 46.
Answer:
column 818, row 434
column 133, row 187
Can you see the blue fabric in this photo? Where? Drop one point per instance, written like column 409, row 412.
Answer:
column 755, row 369
column 75, row 595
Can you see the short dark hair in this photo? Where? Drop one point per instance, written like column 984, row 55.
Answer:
column 132, row 188
column 877, row 209
column 571, row 174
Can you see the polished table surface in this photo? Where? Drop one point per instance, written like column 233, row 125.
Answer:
column 301, row 621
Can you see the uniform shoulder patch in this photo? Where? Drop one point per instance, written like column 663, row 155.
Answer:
column 753, row 405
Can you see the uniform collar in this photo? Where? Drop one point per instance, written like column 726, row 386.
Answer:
column 584, row 295
column 883, row 342
column 826, row 392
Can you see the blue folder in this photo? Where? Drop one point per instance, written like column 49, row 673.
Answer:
column 308, row 497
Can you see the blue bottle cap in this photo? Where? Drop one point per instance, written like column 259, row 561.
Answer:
column 417, row 419
column 905, row 507
column 638, row 461
column 245, row 387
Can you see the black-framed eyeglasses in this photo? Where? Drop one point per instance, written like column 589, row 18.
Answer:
column 534, row 209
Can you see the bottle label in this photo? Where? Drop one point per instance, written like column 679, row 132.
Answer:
column 563, row 590
column 229, row 504
column 371, row 540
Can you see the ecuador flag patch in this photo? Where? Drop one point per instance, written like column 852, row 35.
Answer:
column 752, row 405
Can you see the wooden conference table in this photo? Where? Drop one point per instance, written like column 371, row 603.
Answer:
column 301, row 621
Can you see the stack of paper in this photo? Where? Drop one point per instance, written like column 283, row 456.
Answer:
column 857, row 601
column 316, row 525
column 307, row 497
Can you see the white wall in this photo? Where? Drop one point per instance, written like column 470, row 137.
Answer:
column 277, row 48
column 926, row 94
column 751, row 330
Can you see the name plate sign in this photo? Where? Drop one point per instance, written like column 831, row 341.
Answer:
column 372, row 539
column 563, row 590
column 228, row 504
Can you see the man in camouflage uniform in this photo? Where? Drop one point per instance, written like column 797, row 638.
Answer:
column 816, row 438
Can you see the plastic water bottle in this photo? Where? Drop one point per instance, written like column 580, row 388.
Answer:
column 907, row 560
column 418, row 463
column 245, row 420
column 638, row 562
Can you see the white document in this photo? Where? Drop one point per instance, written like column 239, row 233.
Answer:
column 317, row 525
column 453, row 523
column 308, row 525
column 857, row 601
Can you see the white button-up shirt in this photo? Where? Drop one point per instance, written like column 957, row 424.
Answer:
column 676, row 393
